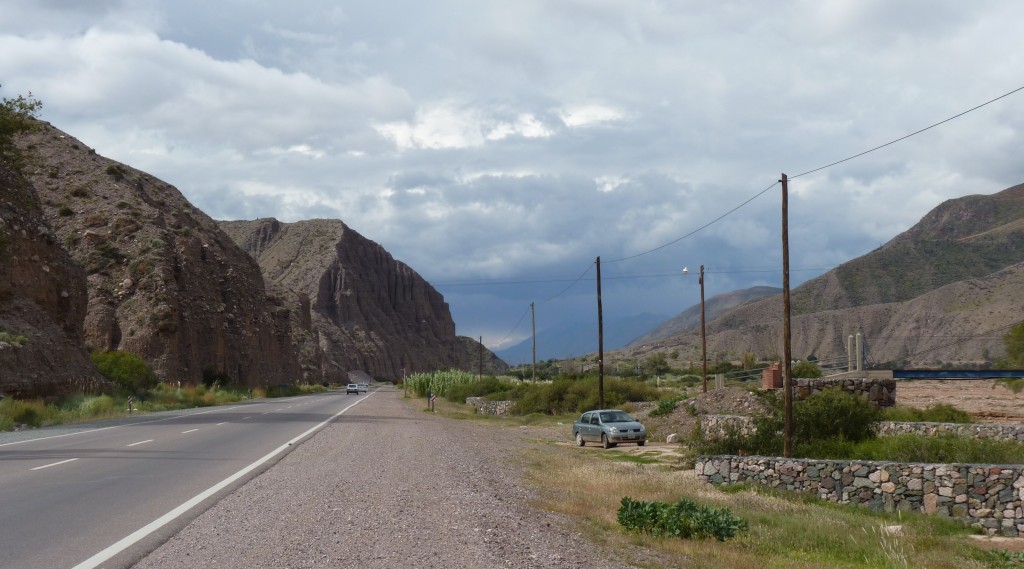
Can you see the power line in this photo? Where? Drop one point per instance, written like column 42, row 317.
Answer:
column 915, row 133
column 566, row 289
column 702, row 227
column 513, row 330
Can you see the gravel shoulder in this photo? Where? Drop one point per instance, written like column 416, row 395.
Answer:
column 386, row 486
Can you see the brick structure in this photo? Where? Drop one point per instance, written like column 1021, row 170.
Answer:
column 771, row 378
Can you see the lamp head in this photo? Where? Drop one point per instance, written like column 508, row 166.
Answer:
column 686, row 271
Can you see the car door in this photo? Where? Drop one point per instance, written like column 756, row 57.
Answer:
column 595, row 427
column 584, row 426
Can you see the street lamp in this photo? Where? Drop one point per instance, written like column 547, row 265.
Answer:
column 703, row 336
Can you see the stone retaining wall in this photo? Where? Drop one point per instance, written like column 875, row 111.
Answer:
column 988, row 496
column 881, row 392
column 716, row 425
column 998, row 432
column 485, row 407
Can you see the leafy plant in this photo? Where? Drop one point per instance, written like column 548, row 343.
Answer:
column 667, row 406
column 16, row 117
column 684, row 519
column 16, row 339
column 937, row 413
column 125, row 369
column 806, row 369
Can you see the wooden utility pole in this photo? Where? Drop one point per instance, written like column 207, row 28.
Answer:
column 703, row 337
column 600, row 341
column 787, row 350
column 533, row 326
column 481, row 373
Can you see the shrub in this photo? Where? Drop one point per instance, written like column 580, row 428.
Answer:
column 834, row 413
column 667, row 406
column 16, row 117
column 125, row 369
column 806, row 369
column 684, row 519
column 16, row 339
column 937, row 413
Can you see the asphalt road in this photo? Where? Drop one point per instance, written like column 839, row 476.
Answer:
column 106, row 496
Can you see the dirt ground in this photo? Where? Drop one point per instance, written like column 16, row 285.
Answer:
column 985, row 401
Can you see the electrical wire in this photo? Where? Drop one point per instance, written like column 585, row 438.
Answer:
column 702, row 227
column 915, row 133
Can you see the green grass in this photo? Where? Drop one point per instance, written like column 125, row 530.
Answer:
column 938, row 413
column 164, row 397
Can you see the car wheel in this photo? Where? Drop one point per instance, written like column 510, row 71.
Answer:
column 604, row 442
column 641, row 443
column 579, row 440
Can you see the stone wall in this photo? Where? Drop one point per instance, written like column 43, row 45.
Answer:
column 881, row 392
column 484, row 407
column 717, row 425
column 997, row 432
column 988, row 496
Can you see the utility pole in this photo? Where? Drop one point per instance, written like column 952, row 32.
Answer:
column 787, row 350
column 481, row 372
column 600, row 341
column 533, row 326
column 703, row 337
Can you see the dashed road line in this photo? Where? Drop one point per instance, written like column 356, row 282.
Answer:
column 189, row 431
column 140, row 443
column 54, row 464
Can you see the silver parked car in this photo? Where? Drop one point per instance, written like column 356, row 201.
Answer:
column 608, row 427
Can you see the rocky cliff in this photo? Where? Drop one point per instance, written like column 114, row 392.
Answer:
column 42, row 302
column 368, row 311
column 163, row 281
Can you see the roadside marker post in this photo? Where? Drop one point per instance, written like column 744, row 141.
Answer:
column 432, row 398
column 130, row 399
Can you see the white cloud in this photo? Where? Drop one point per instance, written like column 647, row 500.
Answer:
column 522, row 139
column 587, row 115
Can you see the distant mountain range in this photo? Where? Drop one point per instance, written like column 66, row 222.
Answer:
column 943, row 293
column 578, row 338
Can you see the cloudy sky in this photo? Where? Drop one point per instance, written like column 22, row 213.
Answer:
column 498, row 147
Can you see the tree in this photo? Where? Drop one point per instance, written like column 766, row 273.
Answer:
column 658, row 364
column 16, row 117
column 125, row 369
column 806, row 369
column 1014, row 342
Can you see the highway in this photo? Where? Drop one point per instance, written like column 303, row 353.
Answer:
column 104, row 497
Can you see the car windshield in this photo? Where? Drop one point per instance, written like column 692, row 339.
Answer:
column 615, row 417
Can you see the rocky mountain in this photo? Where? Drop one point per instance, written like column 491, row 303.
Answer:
column 571, row 339
column 161, row 279
column 942, row 293
column 367, row 311
column 714, row 307
column 42, row 301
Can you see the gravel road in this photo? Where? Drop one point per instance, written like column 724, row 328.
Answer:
column 386, row 486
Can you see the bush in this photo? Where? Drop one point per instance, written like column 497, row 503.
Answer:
column 826, row 421
column 684, row 519
column 938, row 413
column 125, row 369
column 833, row 413
column 667, row 406
column 806, row 369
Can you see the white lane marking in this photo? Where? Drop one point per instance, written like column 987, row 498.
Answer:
column 219, row 424
column 110, row 427
column 140, row 443
column 244, row 418
column 189, row 431
column 141, row 533
column 54, row 464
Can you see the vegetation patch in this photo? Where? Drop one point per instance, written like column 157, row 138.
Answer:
column 684, row 519
column 16, row 339
column 937, row 413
